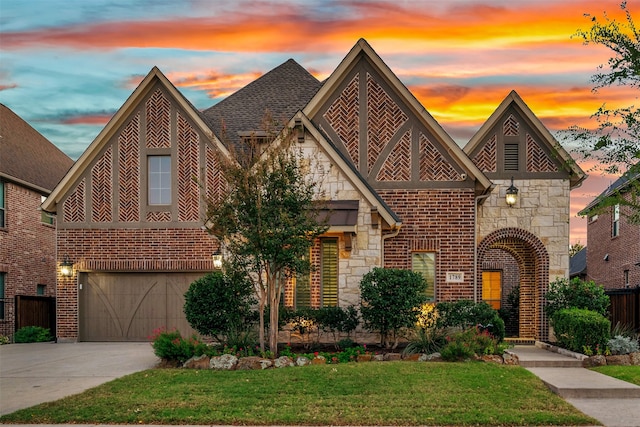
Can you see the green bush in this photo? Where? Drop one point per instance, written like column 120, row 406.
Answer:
column 220, row 305
column 577, row 328
column 426, row 340
column 575, row 293
column 466, row 314
column 170, row 345
column 622, row 345
column 391, row 300
column 336, row 320
column 470, row 342
column 32, row 334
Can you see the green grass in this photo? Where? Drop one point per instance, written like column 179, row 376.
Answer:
column 390, row 393
column 629, row 374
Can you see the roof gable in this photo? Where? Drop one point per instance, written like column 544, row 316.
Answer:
column 154, row 80
column 28, row 157
column 514, row 142
column 377, row 123
column 282, row 92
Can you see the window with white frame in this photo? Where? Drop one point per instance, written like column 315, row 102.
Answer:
column 159, row 183
column 615, row 226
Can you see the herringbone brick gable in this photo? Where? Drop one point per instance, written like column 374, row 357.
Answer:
column 384, row 117
column 537, row 159
column 188, row 171
column 433, row 165
column 158, row 110
column 397, row 166
column 511, row 127
column 343, row 116
column 215, row 183
column 101, row 188
column 159, row 216
column 486, row 158
column 74, row 205
column 129, row 171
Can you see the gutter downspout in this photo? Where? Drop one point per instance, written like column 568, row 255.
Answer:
column 478, row 199
column 394, row 233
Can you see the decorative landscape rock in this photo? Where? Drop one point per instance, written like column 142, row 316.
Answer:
column 433, row 357
column 378, row 358
column 364, row 358
column 412, row 357
column 598, row 360
column 283, row 362
column 226, row 362
column 252, row 363
column 319, row 360
column 198, row 362
column 302, row 361
column 510, row 358
column 621, row 360
column 492, row 358
column 635, row 358
column 389, row 357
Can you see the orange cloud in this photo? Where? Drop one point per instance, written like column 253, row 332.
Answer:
column 419, row 29
column 8, row 86
column 90, row 119
column 216, row 84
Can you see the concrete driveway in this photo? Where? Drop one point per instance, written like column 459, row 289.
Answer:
column 42, row 372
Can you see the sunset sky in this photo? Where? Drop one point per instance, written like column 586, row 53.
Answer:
column 67, row 66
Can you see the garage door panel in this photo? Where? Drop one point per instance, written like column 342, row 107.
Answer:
column 130, row 306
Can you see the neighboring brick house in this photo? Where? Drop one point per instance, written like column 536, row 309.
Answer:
column 30, row 167
column 613, row 242
column 403, row 194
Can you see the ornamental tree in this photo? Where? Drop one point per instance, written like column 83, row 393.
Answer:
column 269, row 219
column 615, row 141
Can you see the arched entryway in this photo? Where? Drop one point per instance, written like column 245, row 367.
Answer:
column 518, row 253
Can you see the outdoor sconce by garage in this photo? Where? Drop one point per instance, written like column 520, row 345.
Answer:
column 217, row 259
column 511, row 195
column 66, row 267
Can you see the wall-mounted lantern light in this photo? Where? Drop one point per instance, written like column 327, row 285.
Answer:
column 511, row 195
column 66, row 267
column 217, row 259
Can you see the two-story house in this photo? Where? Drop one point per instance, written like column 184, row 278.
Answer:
column 30, row 167
column 613, row 242
column 477, row 223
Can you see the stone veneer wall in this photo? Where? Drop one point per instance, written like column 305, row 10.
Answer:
column 366, row 244
column 542, row 209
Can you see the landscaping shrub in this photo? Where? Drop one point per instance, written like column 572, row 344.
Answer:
column 470, row 342
column 426, row 340
column 32, row 334
column 4, row 340
column 336, row 320
column 170, row 345
column 467, row 314
column 220, row 305
column 391, row 299
column 622, row 345
column 576, row 329
column 575, row 293
column 303, row 321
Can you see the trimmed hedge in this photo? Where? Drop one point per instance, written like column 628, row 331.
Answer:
column 467, row 314
column 577, row 328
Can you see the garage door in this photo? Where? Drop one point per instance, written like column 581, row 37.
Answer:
column 130, row 306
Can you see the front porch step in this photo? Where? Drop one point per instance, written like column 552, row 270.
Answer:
column 530, row 356
column 520, row 341
column 580, row 383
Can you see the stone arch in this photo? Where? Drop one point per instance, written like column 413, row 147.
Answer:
column 533, row 263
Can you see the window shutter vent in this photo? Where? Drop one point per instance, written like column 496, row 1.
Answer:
column 511, row 157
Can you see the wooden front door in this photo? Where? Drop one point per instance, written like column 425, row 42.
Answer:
column 492, row 288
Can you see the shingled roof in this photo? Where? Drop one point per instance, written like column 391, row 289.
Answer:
column 28, row 157
column 282, row 91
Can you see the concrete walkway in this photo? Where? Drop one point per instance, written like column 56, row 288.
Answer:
column 613, row 402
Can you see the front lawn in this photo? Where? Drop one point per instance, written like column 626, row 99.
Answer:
column 629, row 374
column 386, row 393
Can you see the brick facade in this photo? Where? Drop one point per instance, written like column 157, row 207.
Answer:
column 369, row 141
column 609, row 257
column 27, row 250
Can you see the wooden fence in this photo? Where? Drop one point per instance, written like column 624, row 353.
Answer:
column 36, row 311
column 625, row 307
